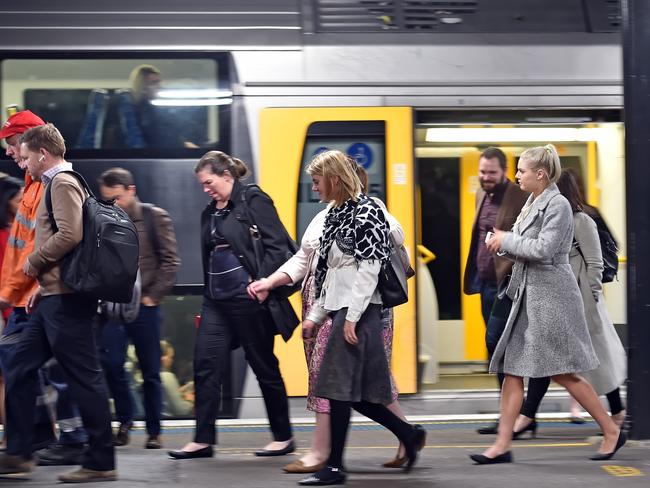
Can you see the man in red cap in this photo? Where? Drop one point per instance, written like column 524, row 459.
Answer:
column 15, row 289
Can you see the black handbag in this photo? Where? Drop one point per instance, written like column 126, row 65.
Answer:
column 282, row 314
column 392, row 282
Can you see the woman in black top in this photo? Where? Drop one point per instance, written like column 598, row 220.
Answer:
column 229, row 316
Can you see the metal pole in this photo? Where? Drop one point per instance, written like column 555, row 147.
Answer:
column 636, row 75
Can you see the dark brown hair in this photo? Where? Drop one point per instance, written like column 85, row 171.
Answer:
column 218, row 162
column 116, row 177
column 495, row 152
column 569, row 188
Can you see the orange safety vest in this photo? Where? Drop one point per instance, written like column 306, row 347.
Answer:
column 15, row 286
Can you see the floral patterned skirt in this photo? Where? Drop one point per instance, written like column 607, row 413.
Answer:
column 315, row 348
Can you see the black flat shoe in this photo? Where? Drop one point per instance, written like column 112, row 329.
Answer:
column 277, row 452
column 574, row 419
column 204, row 452
column 506, row 457
column 622, row 439
column 325, row 476
column 489, row 429
column 417, row 443
column 532, row 427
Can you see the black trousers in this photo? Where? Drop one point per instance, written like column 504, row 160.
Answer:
column 246, row 323
column 61, row 327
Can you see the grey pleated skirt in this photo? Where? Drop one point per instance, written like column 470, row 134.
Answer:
column 355, row 373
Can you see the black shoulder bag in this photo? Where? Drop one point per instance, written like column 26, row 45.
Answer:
column 392, row 277
column 277, row 303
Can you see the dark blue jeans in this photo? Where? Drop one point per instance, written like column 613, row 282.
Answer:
column 144, row 333
column 495, row 327
column 61, row 327
column 488, row 295
column 44, row 434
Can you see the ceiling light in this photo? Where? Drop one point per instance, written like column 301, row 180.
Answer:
column 512, row 134
column 190, row 102
column 195, row 93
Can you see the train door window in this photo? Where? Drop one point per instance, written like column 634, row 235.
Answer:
column 364, row 141
column 136, row 106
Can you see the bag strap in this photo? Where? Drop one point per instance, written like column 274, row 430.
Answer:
column 48, row 195
column 254, row 231
column 150, row 224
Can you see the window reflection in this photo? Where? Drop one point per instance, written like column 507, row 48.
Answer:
column 121, row 103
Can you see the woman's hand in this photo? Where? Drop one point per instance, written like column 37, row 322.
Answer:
column 308, row 330
column 494, row 244
column 259, row 290
column 349, row 333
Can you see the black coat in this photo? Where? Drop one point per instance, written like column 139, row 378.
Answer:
column 236, row 230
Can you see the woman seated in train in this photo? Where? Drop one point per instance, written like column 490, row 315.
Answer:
column 546, row 333
column 301, row 268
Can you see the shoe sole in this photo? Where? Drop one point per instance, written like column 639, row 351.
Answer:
column 91, row 480
column 16, row 476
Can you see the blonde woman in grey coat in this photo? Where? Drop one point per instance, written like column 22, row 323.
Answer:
column 586, row 261
column 546, row 333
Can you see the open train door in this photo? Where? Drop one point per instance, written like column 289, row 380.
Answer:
column 381, row 139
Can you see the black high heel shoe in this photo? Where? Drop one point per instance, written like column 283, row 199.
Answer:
column 506, row 457
column 417, row 443
column 532, row 427
column 622, row 439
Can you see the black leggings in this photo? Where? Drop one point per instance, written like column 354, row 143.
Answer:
column 340, row 420
column 537, row 388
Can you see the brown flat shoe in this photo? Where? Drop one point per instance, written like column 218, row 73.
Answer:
column 84, row 475
column 396, row 462
column 299, row 467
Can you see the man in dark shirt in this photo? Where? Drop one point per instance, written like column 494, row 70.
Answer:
column 159, row 262
column 498, row 202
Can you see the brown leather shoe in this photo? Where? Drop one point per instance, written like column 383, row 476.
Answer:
column 85, row 475
column 18, row 465
column 299, row 467
column 153, row 442
column 121, row 437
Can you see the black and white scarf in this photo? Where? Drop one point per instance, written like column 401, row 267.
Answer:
column 359, row 229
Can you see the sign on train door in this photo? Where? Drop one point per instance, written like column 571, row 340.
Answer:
column 381, row 140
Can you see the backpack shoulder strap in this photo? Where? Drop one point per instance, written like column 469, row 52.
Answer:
column 48, row 195
column 149, row 222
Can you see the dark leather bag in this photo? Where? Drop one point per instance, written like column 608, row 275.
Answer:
column 392, row 282
column 277, row 303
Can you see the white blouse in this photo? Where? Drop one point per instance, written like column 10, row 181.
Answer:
column 347, row 283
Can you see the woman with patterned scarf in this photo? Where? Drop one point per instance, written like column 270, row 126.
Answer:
column 301, row 268
column 354, row 372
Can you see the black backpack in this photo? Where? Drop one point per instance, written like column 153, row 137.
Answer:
column 609, row 249
column 105, row 263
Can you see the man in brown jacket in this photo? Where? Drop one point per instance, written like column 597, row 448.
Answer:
column 60, row 323
column 158, row 264
column 498, row 202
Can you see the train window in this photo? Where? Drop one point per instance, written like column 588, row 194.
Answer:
column 134, row 106
column 364, row 141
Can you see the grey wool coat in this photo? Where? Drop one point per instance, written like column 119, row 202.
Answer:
column 586, row 260
column 546, row 332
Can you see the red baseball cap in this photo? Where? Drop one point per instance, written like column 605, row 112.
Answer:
column 20, row 122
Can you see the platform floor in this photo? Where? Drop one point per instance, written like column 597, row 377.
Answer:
column 557, row 458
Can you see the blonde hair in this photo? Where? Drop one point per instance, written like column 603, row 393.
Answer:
column 138, row 78
column 218, row 162
column 546, row 158
column 333, row 166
